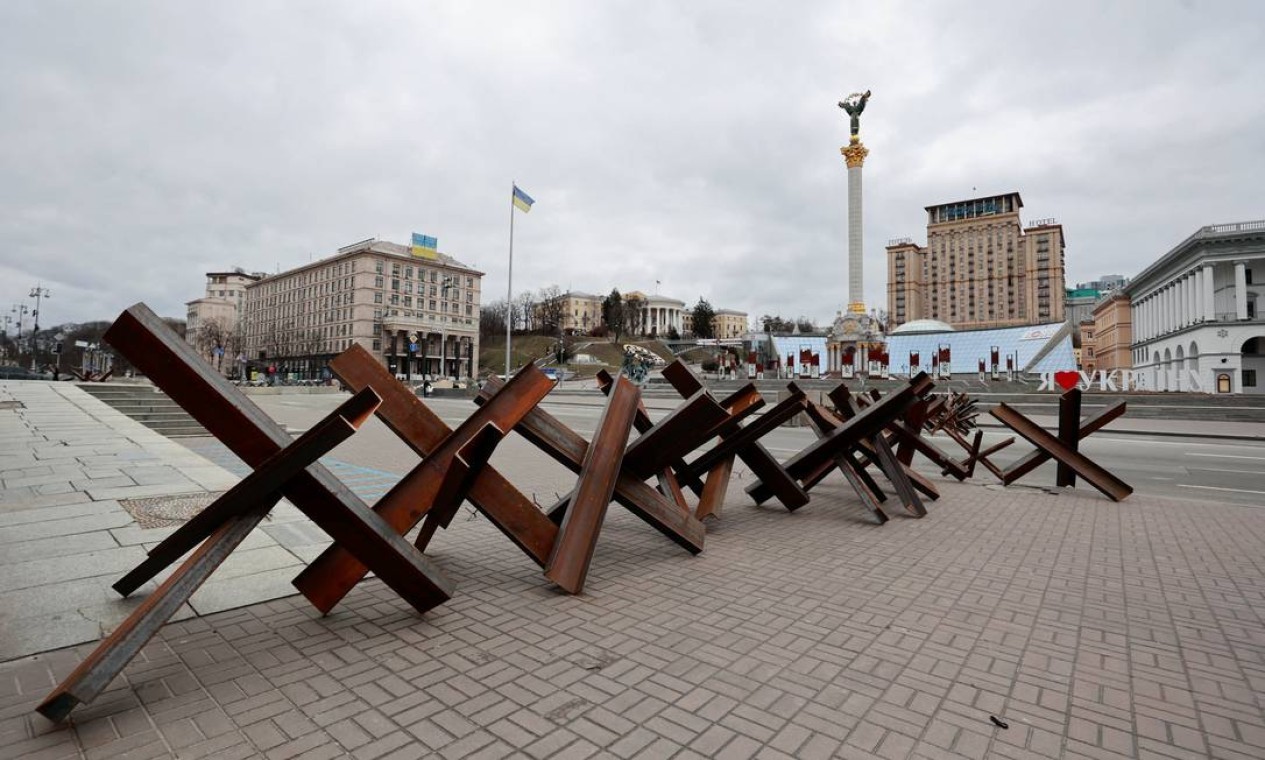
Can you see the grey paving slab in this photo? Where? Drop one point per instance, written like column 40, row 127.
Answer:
column 57, row 512
column 174, row 486
column 64, row 538
column 37, row 572
column 57, row 546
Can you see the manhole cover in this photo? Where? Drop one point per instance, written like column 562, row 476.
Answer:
column 166, row 511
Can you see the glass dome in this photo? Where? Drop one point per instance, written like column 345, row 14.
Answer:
column 922, row 326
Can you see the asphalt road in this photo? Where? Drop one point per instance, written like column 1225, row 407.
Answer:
column 1215, row 470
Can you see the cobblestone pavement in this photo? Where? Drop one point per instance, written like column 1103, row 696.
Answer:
column 1091, row 629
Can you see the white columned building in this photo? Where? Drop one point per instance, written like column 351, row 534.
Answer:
column 661, row 314
column 1198, row 313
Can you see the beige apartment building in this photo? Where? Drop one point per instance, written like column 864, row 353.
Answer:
column 982, row 267
column 1107, row 341
column 407, row 310
column 580, row 312
column 212, row 322
column 728, row 323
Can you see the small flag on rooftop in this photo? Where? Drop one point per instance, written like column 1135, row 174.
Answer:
column 522, row 200
column 425, row 246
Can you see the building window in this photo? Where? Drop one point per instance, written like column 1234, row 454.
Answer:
column 408, row 273
column 395, row 284
column 1249, row 378
column 377, row 282
column 378, row 267
column 377, row 298
column 377, row 344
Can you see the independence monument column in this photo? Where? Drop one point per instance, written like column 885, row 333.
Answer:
column 855, row 154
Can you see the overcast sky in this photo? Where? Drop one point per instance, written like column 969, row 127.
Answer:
column 143, row 144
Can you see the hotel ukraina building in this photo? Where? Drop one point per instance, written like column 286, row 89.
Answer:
column 376, row 294
column 981, row 267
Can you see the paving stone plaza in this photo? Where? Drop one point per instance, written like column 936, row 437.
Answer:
column 1087, row 628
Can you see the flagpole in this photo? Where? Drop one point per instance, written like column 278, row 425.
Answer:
column 509, row 291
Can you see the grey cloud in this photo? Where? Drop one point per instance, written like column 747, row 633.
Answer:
column 146, row 143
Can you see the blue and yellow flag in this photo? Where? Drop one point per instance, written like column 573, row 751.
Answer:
column 425, row 246
column 522, row 200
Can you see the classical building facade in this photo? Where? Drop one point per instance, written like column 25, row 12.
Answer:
column 658, row 315
column 1196, row 319
column 213, row 323
column 418, row 314
column 982, row 267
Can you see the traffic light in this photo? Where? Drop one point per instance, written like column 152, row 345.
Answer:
column 57, row 348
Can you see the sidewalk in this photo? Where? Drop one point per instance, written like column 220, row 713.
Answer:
column 69, row 467
column 1090, row 629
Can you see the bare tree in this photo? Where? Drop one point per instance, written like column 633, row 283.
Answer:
column 525, row 312
column 492, row 318
column 210, row 339
column 551, row 308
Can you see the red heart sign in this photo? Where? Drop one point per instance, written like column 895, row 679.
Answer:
column 1067, row 380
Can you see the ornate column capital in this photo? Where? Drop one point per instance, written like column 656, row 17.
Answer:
column 855, row 154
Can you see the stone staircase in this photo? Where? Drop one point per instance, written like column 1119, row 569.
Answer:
column 148, row 406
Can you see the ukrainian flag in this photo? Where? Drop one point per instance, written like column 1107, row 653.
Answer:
column 425, row 246
column 522, row 200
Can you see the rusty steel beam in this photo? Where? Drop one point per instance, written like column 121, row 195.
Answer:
column 569, row 448
column 1069, row 429
column 896, row 474
column 761, row 463
column 457, row 481
column 752, row 432
column 816, row 459
column 424, row 432
column 105, row 662
column 714, row 488
column 911, row 437
column 268, row 478
column 670, row 479
column 1035, row 459
column 234, row 515
column 684, row 429
column 866, row 489
column 867, row 423
column 335, row 572
column 568, row 564
column 155, row 350
column 1111, row 486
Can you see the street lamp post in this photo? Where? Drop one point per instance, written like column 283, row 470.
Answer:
column 444, row 286
column 38, row 292
column 20, row 309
